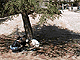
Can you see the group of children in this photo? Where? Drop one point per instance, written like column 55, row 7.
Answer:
column 21, row 42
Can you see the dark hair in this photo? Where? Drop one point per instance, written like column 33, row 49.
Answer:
column 16, row 44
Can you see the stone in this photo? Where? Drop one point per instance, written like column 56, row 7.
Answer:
column 41, row 51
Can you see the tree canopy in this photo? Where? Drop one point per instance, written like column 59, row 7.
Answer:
column 12, row 7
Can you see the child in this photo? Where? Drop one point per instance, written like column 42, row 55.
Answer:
column 18, row 44
column 21, row 42
column 33, row 44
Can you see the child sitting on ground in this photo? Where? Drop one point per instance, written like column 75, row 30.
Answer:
column 18, row 44
column 21, row 42
column 33, row 43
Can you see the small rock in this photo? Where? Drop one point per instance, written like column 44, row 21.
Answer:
column 10, row 51
column 45, row 48
column 3, row 48
column 41, row 47
column 40, row 51
column 78, row 58
column 54, row 55
column 42, row 56
column 73, row 57
column 55, row 47
column 46, row 54
column 33, row 54
column 60, row 45
column 50, row 55
column 69, row 45
column 51, row 46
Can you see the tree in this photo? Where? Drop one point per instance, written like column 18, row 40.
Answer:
column 25, row 7
column 12, row 7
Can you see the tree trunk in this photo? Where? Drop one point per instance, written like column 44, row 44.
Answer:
column 27, row 26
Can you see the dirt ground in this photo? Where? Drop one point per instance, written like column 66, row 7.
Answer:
column 59, row 38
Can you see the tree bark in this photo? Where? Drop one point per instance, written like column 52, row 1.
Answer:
column 27, row 26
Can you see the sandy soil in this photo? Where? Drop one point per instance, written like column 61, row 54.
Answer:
column 68, row 20
column 9, row 26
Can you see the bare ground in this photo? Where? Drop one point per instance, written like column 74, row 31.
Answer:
column 60, row 38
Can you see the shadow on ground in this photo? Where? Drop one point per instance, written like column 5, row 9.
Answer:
column 54, row 40
column 58, row 41
column 5, row 43
column 55, row 35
